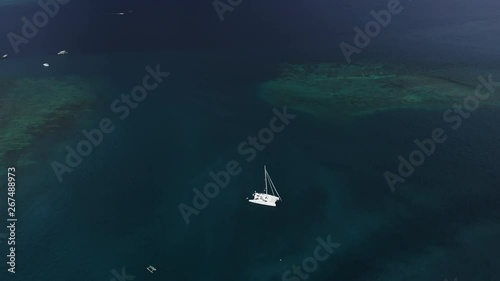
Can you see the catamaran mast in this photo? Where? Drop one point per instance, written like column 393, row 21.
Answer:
column 273, row 187
column 265, row 177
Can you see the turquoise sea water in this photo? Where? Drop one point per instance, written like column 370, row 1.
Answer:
column 119, row 208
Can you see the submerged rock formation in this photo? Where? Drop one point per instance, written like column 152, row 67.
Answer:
column 355, row 90
column 31, row 107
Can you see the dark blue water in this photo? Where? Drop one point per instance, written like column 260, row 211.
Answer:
column 119, row 208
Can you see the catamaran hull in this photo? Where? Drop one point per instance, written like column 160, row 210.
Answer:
column 270, row 204
column 264, row 199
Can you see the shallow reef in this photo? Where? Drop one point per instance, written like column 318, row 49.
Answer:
column 326, row 89
column 36, row 107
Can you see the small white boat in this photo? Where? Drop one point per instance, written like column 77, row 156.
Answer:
column 46, row 65
column 5, row 56
column 151, row 269
column 63, row 52
column 265, row 198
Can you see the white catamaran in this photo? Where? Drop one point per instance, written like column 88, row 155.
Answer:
column 266, row 198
